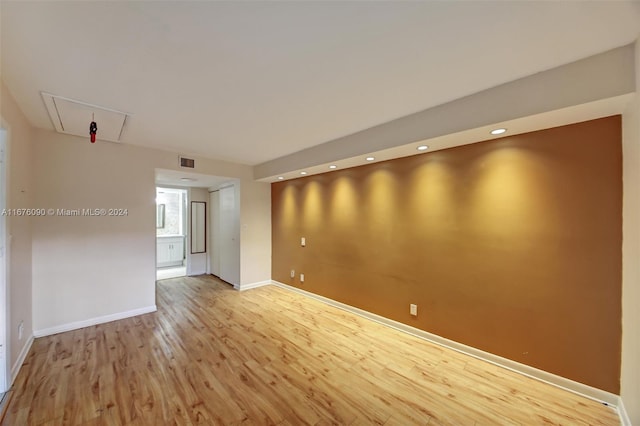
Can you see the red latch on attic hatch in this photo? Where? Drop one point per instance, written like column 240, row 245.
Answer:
column 93, row 129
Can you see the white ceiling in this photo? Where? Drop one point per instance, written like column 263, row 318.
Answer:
column 252, row 81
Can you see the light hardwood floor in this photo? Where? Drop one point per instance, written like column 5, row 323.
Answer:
column 215, row 356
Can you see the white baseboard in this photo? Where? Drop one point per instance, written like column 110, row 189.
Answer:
column 543, row 376
column 196, row 272
column 243, row 287
column 624, row 416
column 15, row 369
column 93, row 321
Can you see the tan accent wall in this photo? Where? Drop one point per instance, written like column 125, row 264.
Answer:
column 512, row 246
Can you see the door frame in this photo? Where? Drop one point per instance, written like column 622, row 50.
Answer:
column 184, row 224
column 5, row 370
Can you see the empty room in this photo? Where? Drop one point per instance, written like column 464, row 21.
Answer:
column 319, row 212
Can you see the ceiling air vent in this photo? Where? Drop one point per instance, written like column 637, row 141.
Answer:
column 73, row 118
column 187, row 162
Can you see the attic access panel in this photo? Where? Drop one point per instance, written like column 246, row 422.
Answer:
column 73, row 118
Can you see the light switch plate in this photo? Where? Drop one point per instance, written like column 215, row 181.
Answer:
column 413, row 309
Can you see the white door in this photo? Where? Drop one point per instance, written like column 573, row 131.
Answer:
column 4, row 317
column 176, row 251
column 163, row 252
column 214, row 233
column 229, row 236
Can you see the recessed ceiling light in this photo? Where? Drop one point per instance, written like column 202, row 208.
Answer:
column 280, row 177
column 498, row 131
column 333, row 166
column 422, row 148
column 370, row 158
column 303, row 173
column 187, row 179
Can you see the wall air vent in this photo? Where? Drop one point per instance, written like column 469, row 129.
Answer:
column 73, row 117
column 187, row 162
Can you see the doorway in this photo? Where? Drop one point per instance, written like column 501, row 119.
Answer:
column 219, row 252
column 171, row 232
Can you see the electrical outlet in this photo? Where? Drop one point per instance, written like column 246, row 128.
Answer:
column 20, row 330
column 413, row 309
column 301, row 278
column 293, row 273
column 303, row 241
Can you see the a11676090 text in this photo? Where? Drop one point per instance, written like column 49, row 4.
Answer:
column 83, row 212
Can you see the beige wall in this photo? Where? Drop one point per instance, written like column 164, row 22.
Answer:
column 255, row 230
column 630, row 381
column 19, row 195
column 510, row 246
column 90, row 267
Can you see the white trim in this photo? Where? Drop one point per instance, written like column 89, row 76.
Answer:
column 196, row 272
column 5, row 270
column 622, row 412
column 93, row 321
column 51, row 95
column 15, row 369
column 244, row 287
column 543, row 376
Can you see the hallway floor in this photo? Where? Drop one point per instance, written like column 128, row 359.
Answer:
column 171, row 272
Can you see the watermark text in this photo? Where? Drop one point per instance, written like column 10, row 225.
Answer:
column 83, row 212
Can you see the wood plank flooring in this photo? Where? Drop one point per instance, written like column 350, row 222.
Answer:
column 268, row 356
